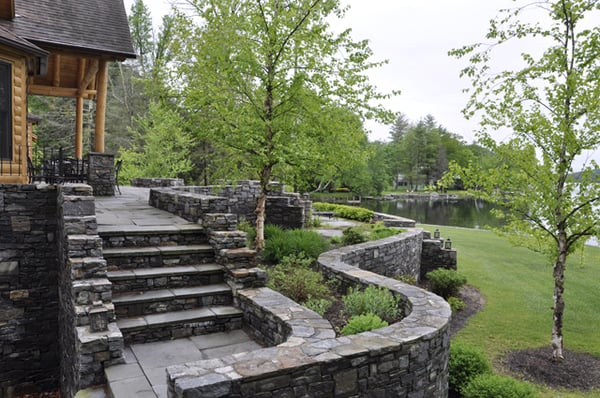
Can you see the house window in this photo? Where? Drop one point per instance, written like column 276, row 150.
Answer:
column 5, row 111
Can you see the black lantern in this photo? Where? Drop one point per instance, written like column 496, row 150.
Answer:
column 436, row 234
column 448, row 244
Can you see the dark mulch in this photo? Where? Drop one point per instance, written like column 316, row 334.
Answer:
column 578, row 371
column 474, row 302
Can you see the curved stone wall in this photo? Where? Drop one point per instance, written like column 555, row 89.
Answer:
column 406, row 359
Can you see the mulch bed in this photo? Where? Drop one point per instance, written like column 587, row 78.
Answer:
column 578, row 371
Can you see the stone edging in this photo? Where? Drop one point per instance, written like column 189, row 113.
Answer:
column 406, row 359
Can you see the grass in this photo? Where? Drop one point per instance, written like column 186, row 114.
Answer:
column 518, row 286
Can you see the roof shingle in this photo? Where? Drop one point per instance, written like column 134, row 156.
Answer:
column 98, row 26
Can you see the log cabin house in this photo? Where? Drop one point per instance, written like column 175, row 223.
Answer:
column 55, row 48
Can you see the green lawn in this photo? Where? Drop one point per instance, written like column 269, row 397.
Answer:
column 518, row 286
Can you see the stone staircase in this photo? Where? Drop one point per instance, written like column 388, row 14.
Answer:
column 166, row 284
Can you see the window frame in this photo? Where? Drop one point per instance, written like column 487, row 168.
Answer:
column 6, row 127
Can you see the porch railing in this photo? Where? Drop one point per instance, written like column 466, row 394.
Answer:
column 56, row 166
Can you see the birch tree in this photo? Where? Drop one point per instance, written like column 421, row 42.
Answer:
column 551, row 105
column 265, row 77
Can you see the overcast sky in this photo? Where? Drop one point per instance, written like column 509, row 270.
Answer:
column 415, row 36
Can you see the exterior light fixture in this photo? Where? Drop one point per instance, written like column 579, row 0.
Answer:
column 436, row 234
column 448, row 244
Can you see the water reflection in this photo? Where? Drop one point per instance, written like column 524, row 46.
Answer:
column 469, row 213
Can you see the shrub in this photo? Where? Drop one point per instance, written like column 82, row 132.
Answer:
column 465, row 363
column 272, row 231
column 294, row 278
column 293, row 242
column 380, row 231
column 374, row 299
column 348, row 212
column 320, row 306
column 363, row 323
column 335, row 240
column 456, row 304
column 445, row 282
column 353, row 236
column 493, row 386
column 406, row 278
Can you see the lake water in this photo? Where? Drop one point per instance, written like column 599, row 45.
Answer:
column 468, row 213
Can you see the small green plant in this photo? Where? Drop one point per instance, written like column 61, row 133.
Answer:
column 294, row 278
column 284, row 243
column 353, row 236
column 320, row 306
column 316, row 222
column 445, row 282
column 374, row 299
column 456, row 304
column 493, row 386
column 380, row 231
column 406, row 278
column 363, row 323
column 335, row 240
column 466, row 362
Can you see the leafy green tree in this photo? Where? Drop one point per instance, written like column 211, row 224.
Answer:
column 265, row 77
column 552, row 105
column 164, row 146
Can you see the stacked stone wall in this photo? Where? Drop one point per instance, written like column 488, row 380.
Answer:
column 101, row 173
column 157, row 182
column 287, row 210
column 28, row 290
column 407, row 359
column 397, row 255
column 434, row 255
column 89, row 336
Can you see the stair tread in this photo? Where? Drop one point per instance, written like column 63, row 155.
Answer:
column 140, row 273
column 155, row 250
column 158, row 295
column 122, row 230
column 198, row 314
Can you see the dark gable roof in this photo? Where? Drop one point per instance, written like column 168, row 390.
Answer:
column 14, row 41
column 98, row 26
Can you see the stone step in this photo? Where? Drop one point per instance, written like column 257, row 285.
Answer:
column 122, row 258
column 145, row 279
column 161, row 235
column 166, row 300
column 178, row 324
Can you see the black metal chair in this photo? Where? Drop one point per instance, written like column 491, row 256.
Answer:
column 118, row 166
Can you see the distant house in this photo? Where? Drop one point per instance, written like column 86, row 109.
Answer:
column 55, row 48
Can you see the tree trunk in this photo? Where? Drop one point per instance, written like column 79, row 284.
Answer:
column 559, row 304
column 260, row 211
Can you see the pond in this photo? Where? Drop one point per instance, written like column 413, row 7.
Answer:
column 468, row 213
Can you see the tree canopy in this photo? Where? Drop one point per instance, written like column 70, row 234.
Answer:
column 551, row 104
column 271, row 82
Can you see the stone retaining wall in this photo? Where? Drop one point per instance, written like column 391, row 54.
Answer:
column 89, row 336
column 397, row 255
column 157, row 182
column 28, row 289
column 101, row 173
column 407, row 359
column 288, row 210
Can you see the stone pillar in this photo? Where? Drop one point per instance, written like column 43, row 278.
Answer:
column 101, row 173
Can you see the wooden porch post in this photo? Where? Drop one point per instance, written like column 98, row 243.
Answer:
column 101, row 106
column 79, row 129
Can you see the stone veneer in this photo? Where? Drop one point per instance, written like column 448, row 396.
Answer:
column 29, row 307
column 101, row 173
column 407, row 359
column 157, row 182
column 288, row 210
column 89, row 336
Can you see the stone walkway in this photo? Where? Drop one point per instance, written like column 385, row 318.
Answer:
column 143, row 375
